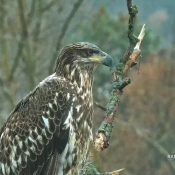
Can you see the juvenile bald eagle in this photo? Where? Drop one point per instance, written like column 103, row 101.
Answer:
column 49, row 131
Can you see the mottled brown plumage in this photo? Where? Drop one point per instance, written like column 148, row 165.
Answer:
column 49, row 131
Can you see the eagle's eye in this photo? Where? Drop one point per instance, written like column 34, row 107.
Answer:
column 92, row 52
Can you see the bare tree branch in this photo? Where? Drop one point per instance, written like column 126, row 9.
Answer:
column 24, row 36
column 100, row 106
column 160, row 149
column 48, row 6
column 2, row 13
column 31, row 12
column 37, row 27
column 24, row 30
column 63, row 32
column 129, row 5
column 155, row 144
column 132, row 10
column 120, row 80
column 6, row 93
column 116, row 172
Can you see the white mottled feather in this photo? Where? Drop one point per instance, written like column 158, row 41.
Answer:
column 46, row 121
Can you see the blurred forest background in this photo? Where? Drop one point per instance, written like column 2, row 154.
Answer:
column 32, row 32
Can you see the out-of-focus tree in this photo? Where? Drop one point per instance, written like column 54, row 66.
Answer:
column 29, row 35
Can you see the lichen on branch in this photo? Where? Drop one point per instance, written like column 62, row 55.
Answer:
column 120, row 79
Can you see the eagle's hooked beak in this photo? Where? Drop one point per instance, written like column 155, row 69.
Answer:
column 102, row 58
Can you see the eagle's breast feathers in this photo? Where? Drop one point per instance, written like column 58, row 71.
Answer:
column 51, row 115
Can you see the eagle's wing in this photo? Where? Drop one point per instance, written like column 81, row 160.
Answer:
column 28, row 136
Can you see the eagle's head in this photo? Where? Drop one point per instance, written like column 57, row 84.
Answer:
column 80, row 59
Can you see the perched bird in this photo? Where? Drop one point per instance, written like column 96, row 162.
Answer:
column 49, row 131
